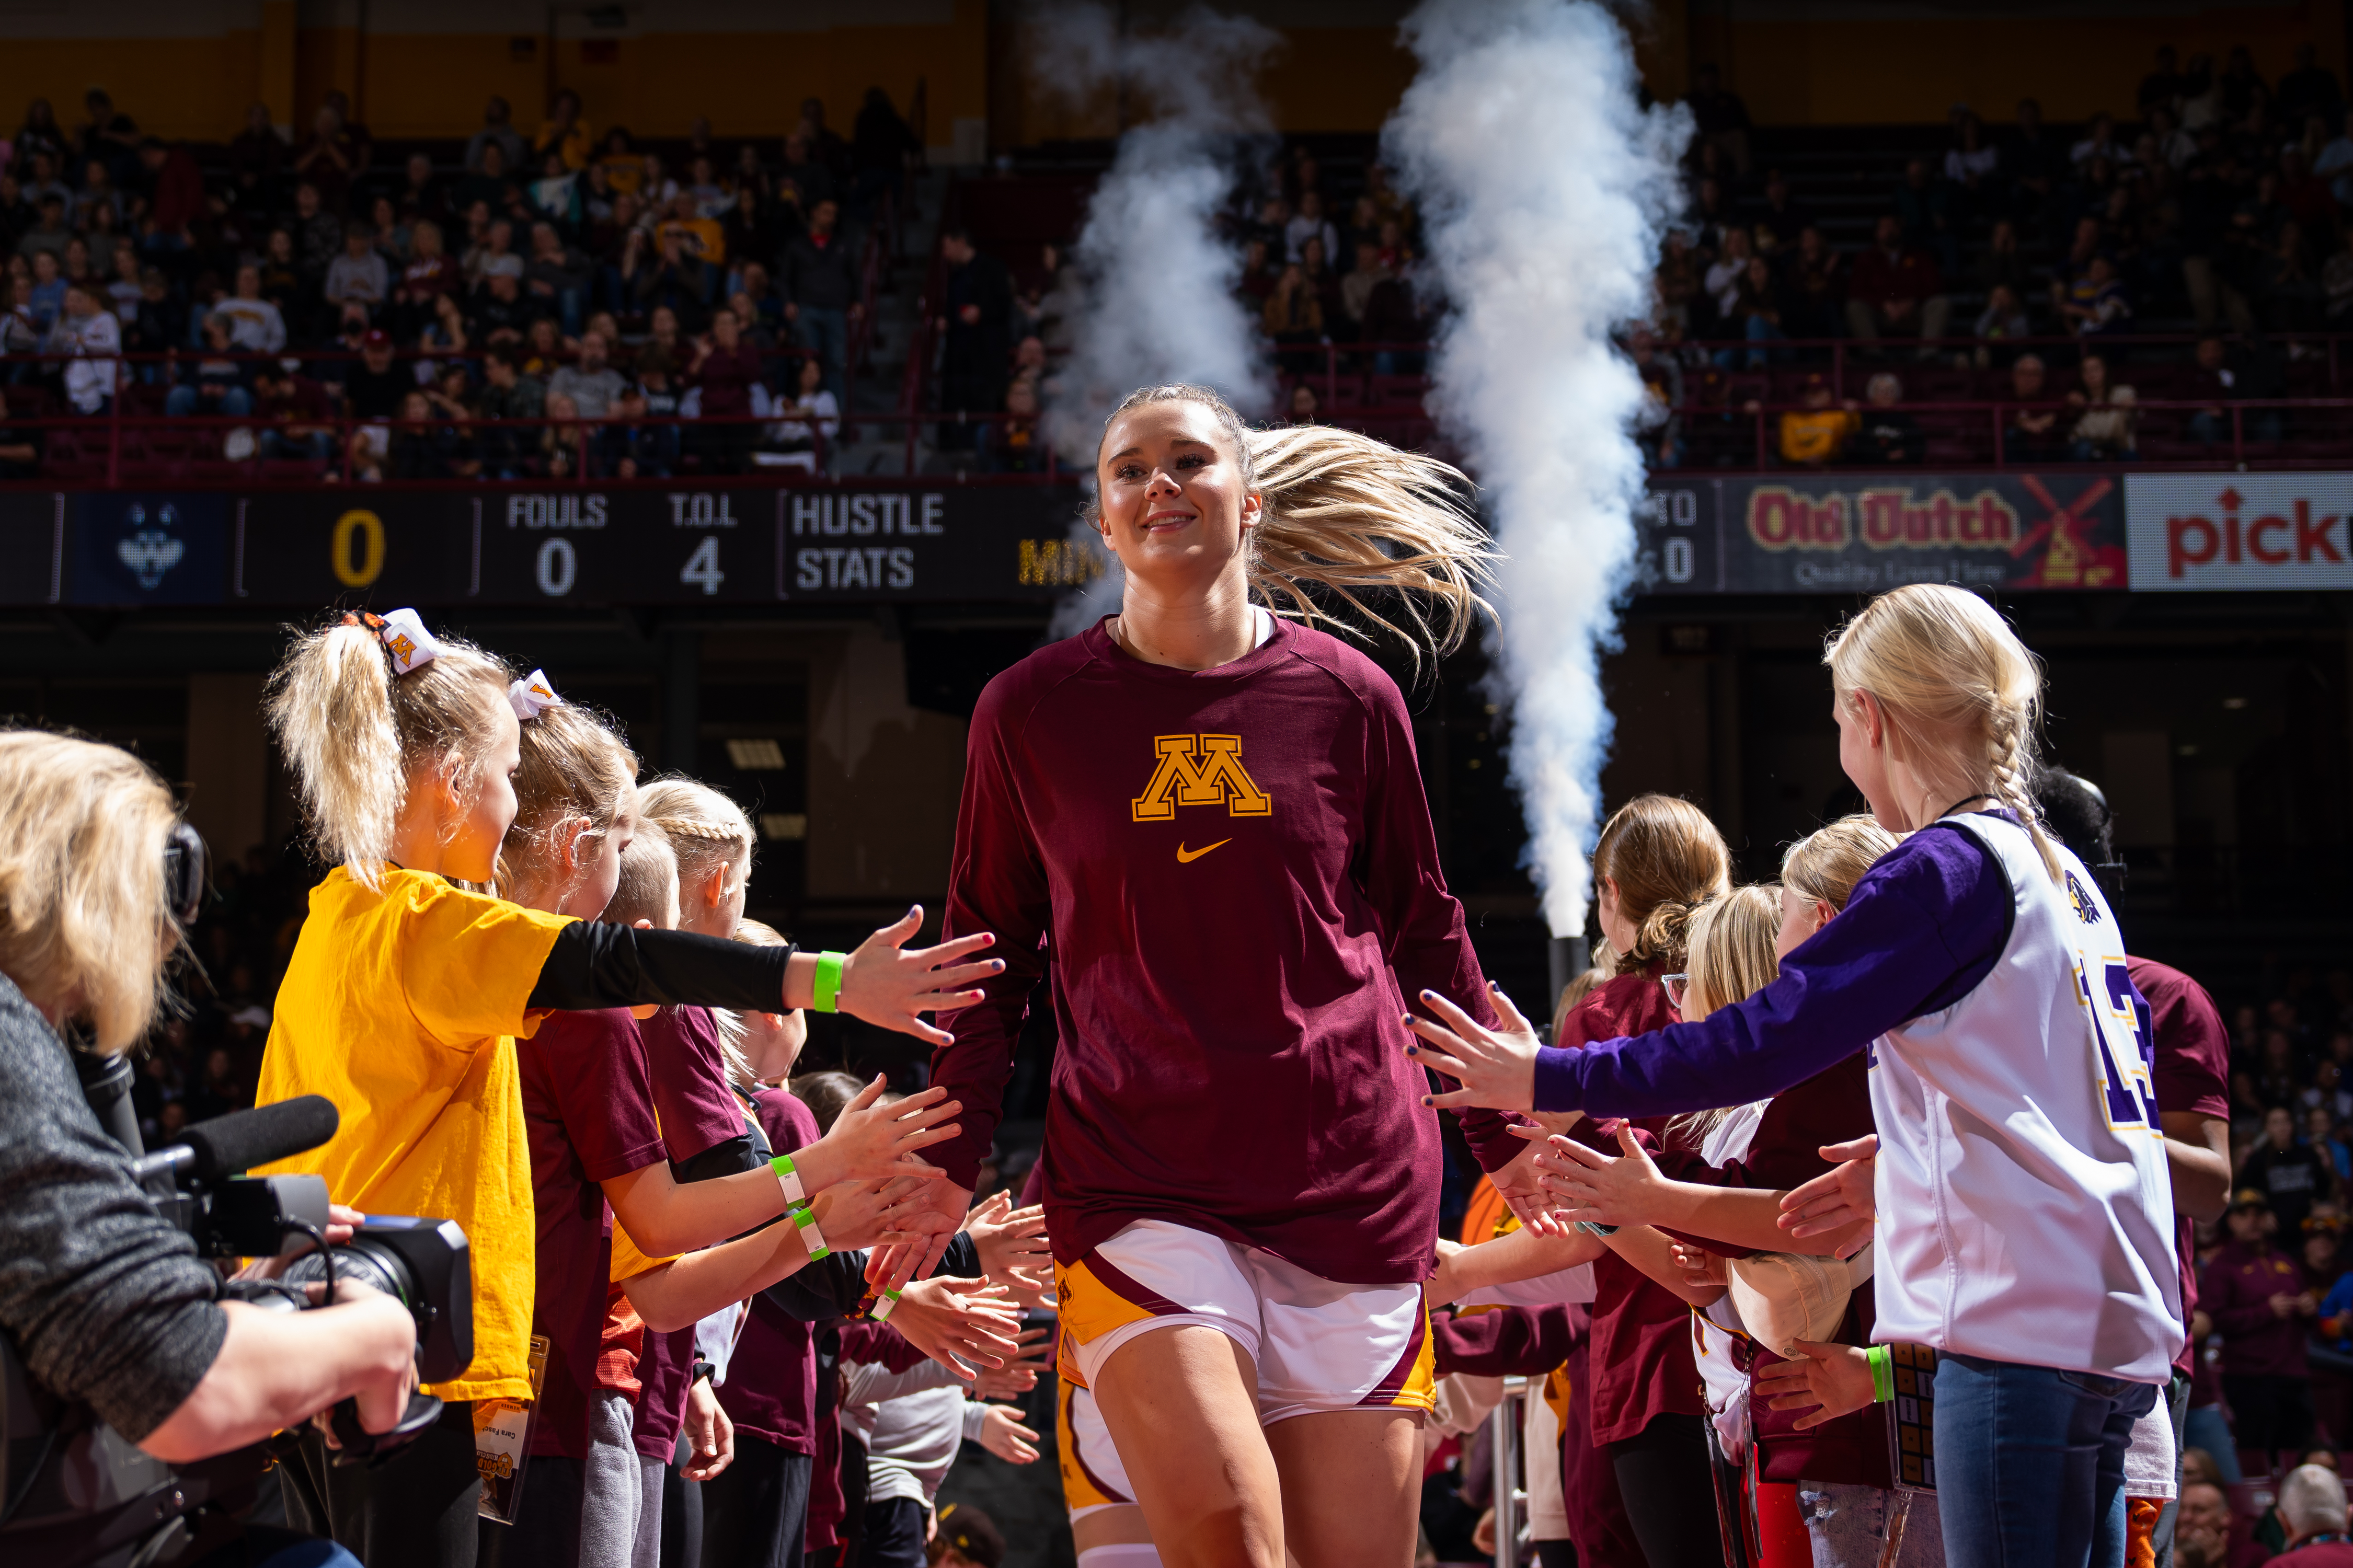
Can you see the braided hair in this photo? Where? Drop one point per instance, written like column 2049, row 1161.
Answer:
column 1954, row 678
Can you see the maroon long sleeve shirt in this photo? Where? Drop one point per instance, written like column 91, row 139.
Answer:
column 1233, row 872
column 2236, row 1290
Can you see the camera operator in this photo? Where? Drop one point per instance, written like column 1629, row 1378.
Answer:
column 108, row 1303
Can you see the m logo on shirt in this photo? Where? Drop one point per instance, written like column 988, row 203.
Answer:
column 1199, row 770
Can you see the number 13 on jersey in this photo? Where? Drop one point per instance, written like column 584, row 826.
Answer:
column 2127, row 1053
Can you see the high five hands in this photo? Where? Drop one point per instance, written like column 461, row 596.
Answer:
column 1495, row 1068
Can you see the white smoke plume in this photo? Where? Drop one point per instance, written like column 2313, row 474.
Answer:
column 1545, row 190
column 1151, row 296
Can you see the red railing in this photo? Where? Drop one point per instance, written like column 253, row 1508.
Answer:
column 151, row 450
column 140, row 444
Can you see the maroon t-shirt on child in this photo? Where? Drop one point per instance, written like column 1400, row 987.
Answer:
column 588, row 1112
column 1641, row 1355
column 698, row 1109
column 771, row 1388
column 2191, row 1072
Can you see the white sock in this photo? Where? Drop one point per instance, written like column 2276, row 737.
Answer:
column 1133, row 1554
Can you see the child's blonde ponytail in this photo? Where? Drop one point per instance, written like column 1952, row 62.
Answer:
column 353, row 731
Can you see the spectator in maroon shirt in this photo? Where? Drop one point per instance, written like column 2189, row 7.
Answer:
column 1896, row 292
column 2312, row 1508
column 726, row 368
column 2258, row 1299
column 178, row 198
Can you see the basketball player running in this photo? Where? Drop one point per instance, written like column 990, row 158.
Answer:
column 1213, row 821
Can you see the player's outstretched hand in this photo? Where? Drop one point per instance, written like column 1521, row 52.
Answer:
column 1825, row 1381
column 1839, row 1198
column 1586, row 1184
column 963, row 1324
column 890, row 1267
column 1495, row 1068
column 885, row 982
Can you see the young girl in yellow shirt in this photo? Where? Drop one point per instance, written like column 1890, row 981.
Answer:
column 406, row 992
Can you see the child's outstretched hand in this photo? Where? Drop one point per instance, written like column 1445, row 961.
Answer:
column 1839, row 1198
column 885, row 982
column 871, row 1142
column 1830, row 1381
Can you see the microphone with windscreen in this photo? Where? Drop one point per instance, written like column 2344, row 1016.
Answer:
column 229, row 1146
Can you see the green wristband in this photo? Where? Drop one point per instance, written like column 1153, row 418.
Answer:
column 826, row 997
column 881, row 1310
column 788, row 1178
column 1883, row 1372
column 812, row 1237
column 1591, row 1228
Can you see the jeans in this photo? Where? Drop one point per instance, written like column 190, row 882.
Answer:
column 1847, row 1524
column 2255, row 425
column 827, row 332
column 183, row 401
column 2207, row 1427
column 318, row 447
column 2031, row 1463
column 2177, row 1405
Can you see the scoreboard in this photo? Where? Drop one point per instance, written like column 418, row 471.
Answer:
column 508, row 547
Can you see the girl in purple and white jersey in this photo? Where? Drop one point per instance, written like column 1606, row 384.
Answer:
column 2024, row 1215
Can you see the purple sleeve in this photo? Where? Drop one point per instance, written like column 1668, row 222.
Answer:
column 1924, row 927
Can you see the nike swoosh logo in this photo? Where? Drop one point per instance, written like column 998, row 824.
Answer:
column 1187, row 856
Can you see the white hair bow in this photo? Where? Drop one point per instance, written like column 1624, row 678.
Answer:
column 533, row 695
column 404, row 633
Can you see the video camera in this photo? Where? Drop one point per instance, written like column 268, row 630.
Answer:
column 74, row 1492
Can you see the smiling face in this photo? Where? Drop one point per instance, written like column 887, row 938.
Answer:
column 1174, row 506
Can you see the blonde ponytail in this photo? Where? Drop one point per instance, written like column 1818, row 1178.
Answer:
column 354, row 732
column 1954, row 678
column 1347, row 514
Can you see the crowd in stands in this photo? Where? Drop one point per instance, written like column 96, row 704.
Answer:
column 2217, row 208
column 2022, row 265
column 570, row 274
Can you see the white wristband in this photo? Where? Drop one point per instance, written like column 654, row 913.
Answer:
column 811, row 1237
column 788, row 1178
column 880, row 1311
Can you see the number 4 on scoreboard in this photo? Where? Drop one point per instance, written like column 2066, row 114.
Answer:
column 701, row 568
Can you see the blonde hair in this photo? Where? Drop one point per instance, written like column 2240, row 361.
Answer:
column 354, row 732
column 1345, row 513
column 1955, row 680
column 83, row 925
column 1823, row 866
column 573, row 766
column 705, row 827
column 729, row 1022
column 1731, row 954
column 1667, row 859
column 647, row 889
column 1731, row 958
